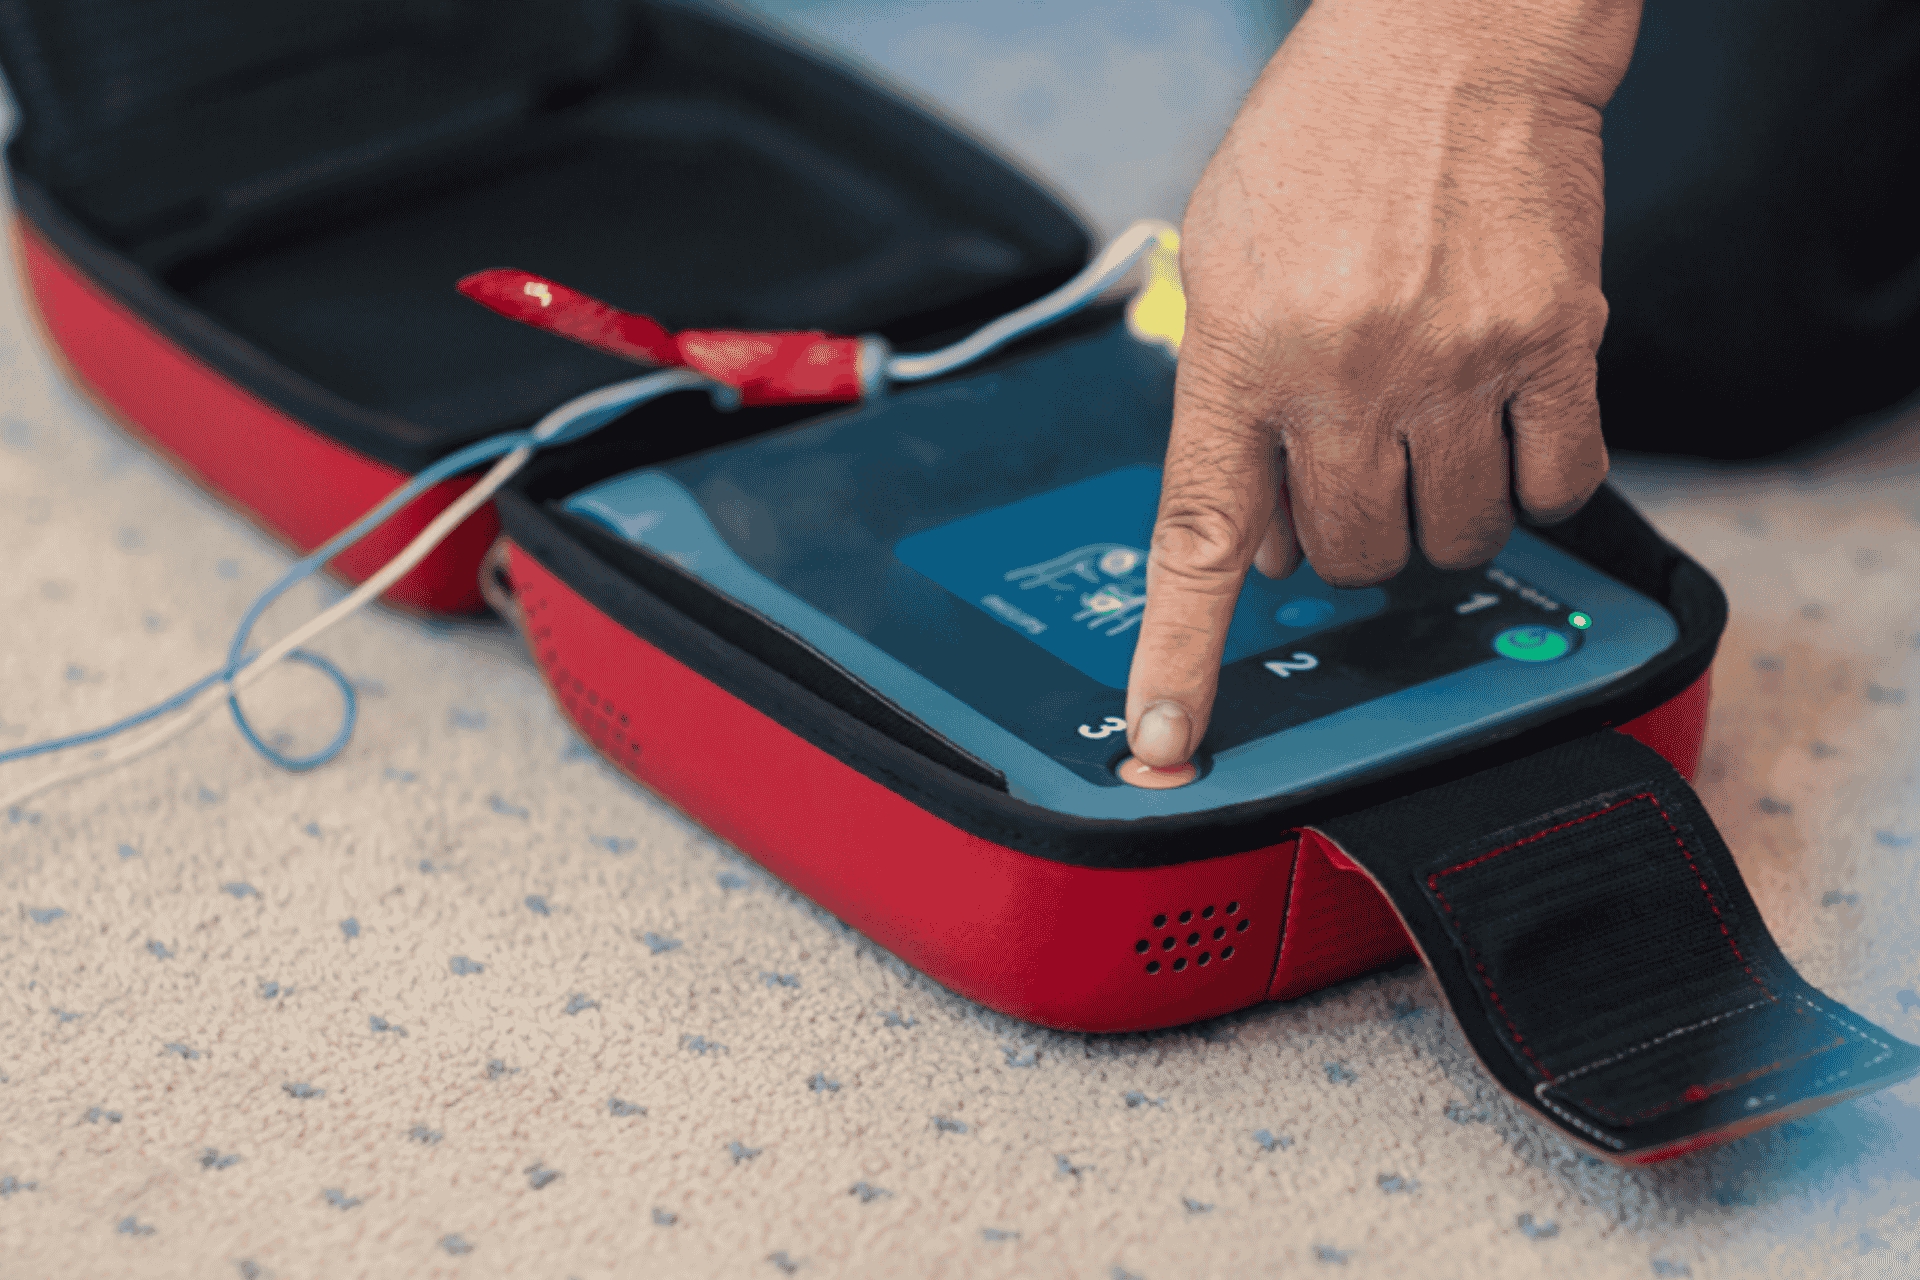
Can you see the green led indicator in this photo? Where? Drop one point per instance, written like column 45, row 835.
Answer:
column 1579, row 620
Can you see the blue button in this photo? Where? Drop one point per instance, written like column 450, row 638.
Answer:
column 1532, row 644
column 1303, row 611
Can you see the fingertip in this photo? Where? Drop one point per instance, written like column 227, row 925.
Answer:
column 1162, row 735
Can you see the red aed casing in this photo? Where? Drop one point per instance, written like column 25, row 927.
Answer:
column 1037, row 934
column 292, row 480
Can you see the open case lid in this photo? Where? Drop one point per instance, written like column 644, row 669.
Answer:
column 290, row 190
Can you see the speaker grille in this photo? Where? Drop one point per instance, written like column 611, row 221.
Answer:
column 1191, row 939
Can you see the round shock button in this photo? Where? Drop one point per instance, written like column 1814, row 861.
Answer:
column 1304, row 611
column 1532, row 644
column 1145, row 776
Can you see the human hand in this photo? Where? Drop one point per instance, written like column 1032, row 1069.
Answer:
column 1392, row 269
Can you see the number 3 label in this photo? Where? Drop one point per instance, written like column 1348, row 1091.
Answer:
column 1108, row 727
column 1300, row 662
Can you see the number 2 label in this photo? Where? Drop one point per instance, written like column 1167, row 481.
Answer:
column 1285, row 668
column 1108, row 727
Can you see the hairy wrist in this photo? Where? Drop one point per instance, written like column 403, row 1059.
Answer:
column 1522, row 50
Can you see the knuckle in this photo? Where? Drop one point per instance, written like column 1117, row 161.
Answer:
column 1225, row 359
column 1558, row 306
column 1593, row 316
column 1543, row 327
column 1569, row 322
column 1364, row 553
column 1200, row 543
column 1562, row 397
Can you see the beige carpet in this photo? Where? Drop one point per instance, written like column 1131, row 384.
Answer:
column 466, row 1003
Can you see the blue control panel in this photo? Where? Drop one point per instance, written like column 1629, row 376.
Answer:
column 1068, row 570
column 974, row 552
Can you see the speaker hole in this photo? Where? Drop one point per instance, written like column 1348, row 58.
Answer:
column 1207, row 914
column 1205, row 956
column 1179, row 964
column 1153, row 966
column 1167, row 944
column 1220, row 933
column 1141, row 946
column 1226, row 953
column 1193, row 939
column 1160, row 921
column 1232, row 907
column 1185, row 916
column 1242, row 926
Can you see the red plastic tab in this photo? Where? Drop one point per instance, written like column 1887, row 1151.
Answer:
column 776, row 368
column 532, row 300
column 766, row 368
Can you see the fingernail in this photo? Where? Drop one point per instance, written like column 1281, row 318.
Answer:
column 1160, row 739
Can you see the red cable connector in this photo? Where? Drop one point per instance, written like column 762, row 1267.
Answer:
column 788, row 367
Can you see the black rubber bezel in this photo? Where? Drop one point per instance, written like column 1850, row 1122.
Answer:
column 1608, row 534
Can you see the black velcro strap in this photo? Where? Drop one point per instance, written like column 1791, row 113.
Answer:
column 1596, row 942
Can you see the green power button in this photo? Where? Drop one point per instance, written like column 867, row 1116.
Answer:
column 1532, row 644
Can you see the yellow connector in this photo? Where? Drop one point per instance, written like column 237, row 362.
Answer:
column 1158, row 312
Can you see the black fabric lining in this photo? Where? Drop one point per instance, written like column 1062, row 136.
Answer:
column 289, row 192
column 1602, row 953
column 1609, row 532
column 161, row 113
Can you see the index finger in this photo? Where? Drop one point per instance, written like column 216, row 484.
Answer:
column 1217, row 498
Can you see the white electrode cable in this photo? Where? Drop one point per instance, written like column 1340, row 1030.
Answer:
column 571, row 421
column 1100, row 275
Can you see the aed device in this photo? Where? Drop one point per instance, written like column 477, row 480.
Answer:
column 238, row 223
column 998, row 605
column 884, row 653
column 240, row 226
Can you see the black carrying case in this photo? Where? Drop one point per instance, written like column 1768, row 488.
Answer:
column 286, row 192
